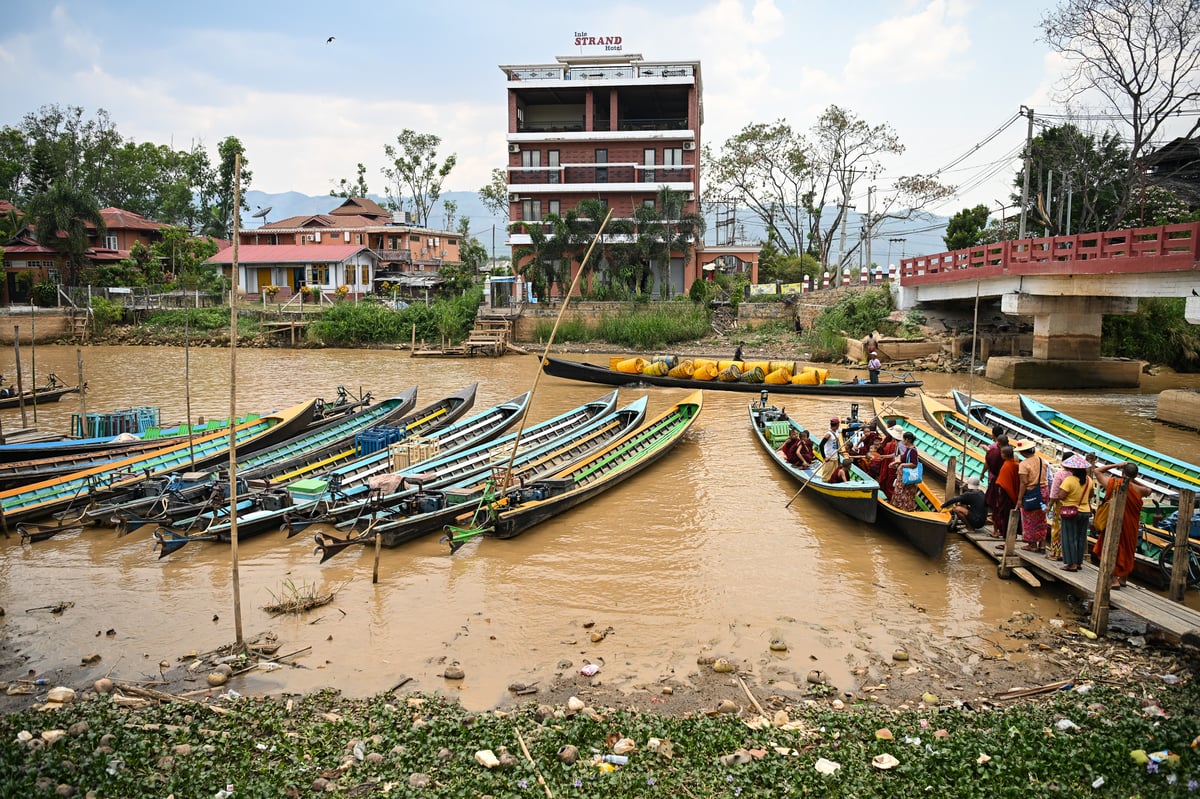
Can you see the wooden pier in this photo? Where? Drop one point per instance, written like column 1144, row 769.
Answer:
column 294, row 328
column 489, row 337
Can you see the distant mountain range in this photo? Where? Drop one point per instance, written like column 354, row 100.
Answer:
column 921, row 235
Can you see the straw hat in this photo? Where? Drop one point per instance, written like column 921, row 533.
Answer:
column 972, row 482
column 896, row 431
column 1024, row 446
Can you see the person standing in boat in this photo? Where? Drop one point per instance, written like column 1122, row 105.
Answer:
column 737, row 354
column 830, row 447
column 1032, row 475
column 1130, row 521
column 1073, row 494
column 873, row 367
column 904, row 495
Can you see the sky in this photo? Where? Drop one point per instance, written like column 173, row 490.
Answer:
column 945, row 74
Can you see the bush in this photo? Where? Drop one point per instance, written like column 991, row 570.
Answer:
column 856, row 315
column 1157, row 333
column 105, row 312
column 654, row 327
column 350, row 324
column 44, row 294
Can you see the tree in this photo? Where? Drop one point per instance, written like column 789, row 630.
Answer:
column 182, row 257
column 965, row 229
column 494, row 195
column 60, row 218
column 219, row 210
column 352, row 188
column 662, row 229
column 1069, row 167
column 1141, row 56
column 415, row 170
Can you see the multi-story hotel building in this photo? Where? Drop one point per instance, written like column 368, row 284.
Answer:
column 610, row 127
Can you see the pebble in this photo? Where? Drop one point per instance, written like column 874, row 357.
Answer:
column 374, row 758
column 65, row 790
column 727, row 706
column 667, row 690
column 487, row 758
column 575, row 704
column 103, row 685
column 320, row 784
column 61, row 694
column 183, row 750
column 568, row 754
column 53, row 736
column 417, row 780
column 454, row 672
column 217, row 679
column 79, row 728
column 444, row 753
column 899, row 655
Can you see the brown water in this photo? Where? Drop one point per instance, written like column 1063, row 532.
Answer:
column 697, row 553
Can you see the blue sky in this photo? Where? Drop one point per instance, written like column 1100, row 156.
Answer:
column 944, row 73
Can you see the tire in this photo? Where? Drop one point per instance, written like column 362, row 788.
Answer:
column 1166, row 564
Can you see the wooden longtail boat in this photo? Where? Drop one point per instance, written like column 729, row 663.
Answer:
column 926, row 527
column 428, row 511
column 856, row 498
column 53, row 391
column 387, row 495
column 165, row 499
column 525, row 507
column 41, row 499
column 268, row 510
column 1093, row 439
column 954, row 424
column 935, row 449
column 1164, row 488
column 590, row 373
column 1153, row 560
column 73, row 459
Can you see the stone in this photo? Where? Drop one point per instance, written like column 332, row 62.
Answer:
column 568, row 754
column 727, row 706
column 417, row 781
column 103, row 685
column 78, row 728
column 61, row 695
column 454, row 672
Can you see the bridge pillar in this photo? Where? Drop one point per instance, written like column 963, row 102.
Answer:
column 1066, row 344
column 1066, row 327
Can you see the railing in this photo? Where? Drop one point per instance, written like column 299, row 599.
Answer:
column 393, row 255
column 600, row 173
column 1163, row 248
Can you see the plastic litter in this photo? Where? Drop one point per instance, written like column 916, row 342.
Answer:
column 826, row 766
column 1169, row 679
column 590, row 670
column 616, row 760
column 1066, row 724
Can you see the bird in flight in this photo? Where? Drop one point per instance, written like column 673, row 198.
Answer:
column 330, row 39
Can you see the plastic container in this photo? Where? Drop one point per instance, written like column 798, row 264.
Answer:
column 616, row 760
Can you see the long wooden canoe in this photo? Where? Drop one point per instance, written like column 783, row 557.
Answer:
column 429, row 511
column 935, row 450
column 856, row 498
column 40, row 499
column 1094, row 439
column 523, row 508
column 926, row 527
column 590, row 373
column 53, row 391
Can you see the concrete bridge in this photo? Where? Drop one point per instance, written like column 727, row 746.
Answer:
column 1067, row 284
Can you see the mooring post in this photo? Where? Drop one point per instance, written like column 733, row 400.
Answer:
column 378, row 546
column 1008, row 560
column 1180, row 561
column 1108, row 559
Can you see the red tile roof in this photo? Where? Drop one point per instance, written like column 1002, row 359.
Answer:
column 120, row 219
column 361, row 206
column 316, row 221
column 288, row 253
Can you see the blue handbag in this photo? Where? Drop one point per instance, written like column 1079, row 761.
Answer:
column 911, row 475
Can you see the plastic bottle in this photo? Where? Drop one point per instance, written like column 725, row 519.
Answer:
column 616, row 760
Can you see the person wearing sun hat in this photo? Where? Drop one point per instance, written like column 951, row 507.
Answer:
column 1054, row 514
column 1034, row 489
column 1074, row 509
column 969, row 506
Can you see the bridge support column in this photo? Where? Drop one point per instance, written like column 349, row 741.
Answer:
column 1066, row 344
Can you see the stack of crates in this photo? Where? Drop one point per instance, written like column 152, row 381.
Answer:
column 377, row 438
column 107, row 425
column 412, row 450
column 310, row 490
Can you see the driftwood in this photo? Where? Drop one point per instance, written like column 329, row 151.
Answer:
column 1041, row 689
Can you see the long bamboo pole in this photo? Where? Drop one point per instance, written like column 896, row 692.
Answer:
column 83, row 431
column 20, row 380
column 233, row 324
column 970, row 385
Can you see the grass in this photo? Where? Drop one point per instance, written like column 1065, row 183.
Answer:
column 648, row 327
column 1070, row 744
column 294, row 598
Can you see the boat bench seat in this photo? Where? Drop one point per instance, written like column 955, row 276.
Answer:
column 777, row 433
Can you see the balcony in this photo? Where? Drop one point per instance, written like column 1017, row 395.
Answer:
column 587, row 175
column 387, row 256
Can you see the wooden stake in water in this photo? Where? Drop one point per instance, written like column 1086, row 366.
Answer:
column 233, row 324
column 378, row 546
column 82, row 392
column 1183, row 530
column 20, row 381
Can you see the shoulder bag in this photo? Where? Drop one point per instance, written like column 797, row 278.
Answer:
column 911, row 475
column 1031, row 500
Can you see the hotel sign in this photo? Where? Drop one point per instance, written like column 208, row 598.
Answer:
column 609, row 43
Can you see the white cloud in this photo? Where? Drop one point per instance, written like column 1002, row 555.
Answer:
column 906, row 49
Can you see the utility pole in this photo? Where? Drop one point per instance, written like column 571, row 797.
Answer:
column 1028, row 168
column 867, row 227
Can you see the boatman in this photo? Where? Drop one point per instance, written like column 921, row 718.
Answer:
column 830, row 447
column 737, row 354
column 873, row 366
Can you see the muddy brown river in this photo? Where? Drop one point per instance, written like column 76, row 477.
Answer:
column 698, row 553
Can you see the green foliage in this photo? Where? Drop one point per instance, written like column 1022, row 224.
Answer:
column 265, row 747
column 413, row 171
column 568, row 330
column 701, row 291
column 44, row 293
column 1157, row 333
column 197, row 319
column 856, row 315
column 965, row 229
column 643, row 327
column 105, row 312
column 348, row 324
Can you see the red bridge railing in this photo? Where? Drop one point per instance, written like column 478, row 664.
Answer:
column 1165, row 248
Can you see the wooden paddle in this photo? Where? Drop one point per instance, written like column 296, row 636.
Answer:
column 806, row 482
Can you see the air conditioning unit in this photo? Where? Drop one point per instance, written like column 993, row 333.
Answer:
column 514, row 148
column 514, row 198
column 689, row 145
column 690, row 197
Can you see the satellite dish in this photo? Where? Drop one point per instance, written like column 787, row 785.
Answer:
column 262, row 213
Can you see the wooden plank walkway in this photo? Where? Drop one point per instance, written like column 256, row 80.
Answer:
column 1174, row 618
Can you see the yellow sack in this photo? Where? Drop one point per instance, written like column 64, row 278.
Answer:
column 778, row 377
column 730, row 374
column 723, row 365
column 776, row 365
column 754, row 375
column 749, row 365
column 807, row 377
column 821, row 374
column 655, row 369
column 614, row 361
column 684, row 370
column 704, row 371
column 633, row 366
column 699, row 362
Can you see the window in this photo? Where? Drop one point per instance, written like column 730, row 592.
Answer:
column 415, row 239
column 359, row 237
column 318, row 274
column 672, row 156
column 648, row 160
column 365, row 275
column 110, row 242
column 648, row 202
column 53, row 276
column 552, row 162
column 531, row 210
column 531, row 158
column 602, row 171
column 553, row 207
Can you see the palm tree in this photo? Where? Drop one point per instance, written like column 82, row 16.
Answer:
column 60, row 218
column 665, row 228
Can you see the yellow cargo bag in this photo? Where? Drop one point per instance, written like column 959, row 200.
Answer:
column 633, row 366
column 684, row 370
column 778, row 377
column 704, row 371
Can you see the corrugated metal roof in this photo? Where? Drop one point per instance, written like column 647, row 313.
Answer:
column 289, row 253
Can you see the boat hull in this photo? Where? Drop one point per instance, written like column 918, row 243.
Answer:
column 576, row 370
